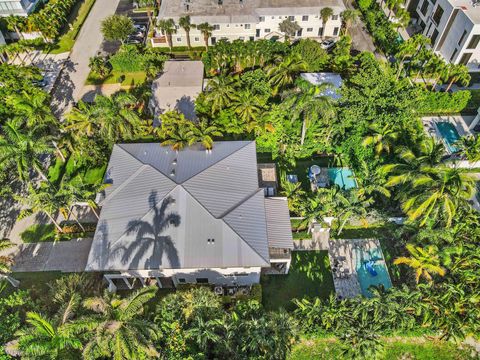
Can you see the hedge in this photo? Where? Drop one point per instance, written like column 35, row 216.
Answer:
column 442, row 103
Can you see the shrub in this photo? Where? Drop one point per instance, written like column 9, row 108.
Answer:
column 382, row 29
column 127, row 59
column 312, row 53
column 431, row 102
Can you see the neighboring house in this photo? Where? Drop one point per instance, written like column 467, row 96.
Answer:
column 249, row 19
column 192, row 216
column 17, row 7
column 453, row 27
column 177, row 87
column 334, row 79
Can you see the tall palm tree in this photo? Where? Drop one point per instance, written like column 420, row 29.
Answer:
column 425, row 261
column 459, row 73
column 167, row 26
column 282, row 74
column 33, row 105
column 288, row 28
column 23, row 148
column 177, row 135
column 221, row 90
column 206, row 30
column 382, row 138
column 247, row 105
column 82, row 120
column 325, row 14
column 409, row 48
column 186, row 25
column 469, row 146
column 121, row 330
column 349, row 17
column 203, row 133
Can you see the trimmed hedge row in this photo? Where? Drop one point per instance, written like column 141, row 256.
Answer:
column 442, row 103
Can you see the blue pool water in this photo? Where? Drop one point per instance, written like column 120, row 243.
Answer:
column 449, row 135
column 364, row 277
column 342, row 177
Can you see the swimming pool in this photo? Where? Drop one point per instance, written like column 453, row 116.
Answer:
column 365, row 278
column 342, row 177
column 449, row 135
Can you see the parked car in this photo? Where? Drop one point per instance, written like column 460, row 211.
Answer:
column 140, row 27
column 134, row 40
column 138, row 34
column 327, row 44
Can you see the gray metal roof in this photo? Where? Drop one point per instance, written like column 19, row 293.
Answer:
column 151, row 220
column 279, row 229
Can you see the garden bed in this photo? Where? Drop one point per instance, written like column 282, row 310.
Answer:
column 309, row 275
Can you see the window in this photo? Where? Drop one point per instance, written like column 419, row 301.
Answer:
column 261, row 19
column 309, row 29
column 267, row 31
column 247, row 26
column 241, row 38
column 465, row 58
column 257, row 32
column 434, row 37
column 182, row 280
column 291, row 18
column 437, row 16
column 197, row 39
column 299, row 32
column 453, row 54
column 305, row 18
column 462, row 37
column 473, row 42
column 335, row 31
column 179, row 39
column 424, row 7
column 334, row 17
column 202, row 280
column 216, row 27
column 320, row 31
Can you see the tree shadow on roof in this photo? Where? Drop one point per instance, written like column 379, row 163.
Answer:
column 150, row 238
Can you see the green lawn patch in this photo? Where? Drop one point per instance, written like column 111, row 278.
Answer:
column 77, row 18
column 415, row 348
column 309, row 275
column 117, row 77
column 39, row 233
column 71, row 168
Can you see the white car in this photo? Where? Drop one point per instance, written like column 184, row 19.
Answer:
column 327, row 44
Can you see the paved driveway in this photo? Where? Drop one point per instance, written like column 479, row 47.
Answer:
column 70, row 85
column 361, row 39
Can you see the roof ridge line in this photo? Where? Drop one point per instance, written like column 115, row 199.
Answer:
column 148, row 212
column 228, row 225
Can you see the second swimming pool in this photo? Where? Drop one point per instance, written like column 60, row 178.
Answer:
column 449, row 135
column 342, row 177
column 379, row 268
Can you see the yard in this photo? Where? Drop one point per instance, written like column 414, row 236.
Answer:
column 72, row 168
column 130, row 79
column 309, row 275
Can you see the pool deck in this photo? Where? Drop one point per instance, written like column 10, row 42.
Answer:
column 342, row 255
column 461, row 124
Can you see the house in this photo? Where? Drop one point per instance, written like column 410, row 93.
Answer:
column 177, row 87
column 453, row 27
column 17, row 7
column 249, row 19
column 334, row 79
column 192, row 216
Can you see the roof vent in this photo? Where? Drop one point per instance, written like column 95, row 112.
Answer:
column 172, row 173
column 145, row 153
column 211, row 241
column 174, row 162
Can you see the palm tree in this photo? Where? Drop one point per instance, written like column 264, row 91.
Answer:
column 33, row 105
column 459, row 73
column 289, row 28
column 425, row 261
column 82, row 119
column 167, row 26
column 221, row 90
column 382, row 138
column 23, row 148
column 349, row 17
column 206, row 30
column 186, row 25
column 55, row 339
column 98, row 65
column 176, row 131
column 409, row 48
column 282, row 75
column 325, row 14
column 469, row 146
column 204, row 133
column 121, row 332
column 204, row 333
column 247, row 105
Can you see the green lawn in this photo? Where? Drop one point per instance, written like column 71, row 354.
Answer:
column 116, row 77
column 77, row 18
column 319, row 348
column 309, row 275
column 90, row 175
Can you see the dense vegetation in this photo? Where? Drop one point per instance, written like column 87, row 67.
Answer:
column 254, row 91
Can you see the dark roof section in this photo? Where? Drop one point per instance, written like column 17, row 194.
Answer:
column 279, row 229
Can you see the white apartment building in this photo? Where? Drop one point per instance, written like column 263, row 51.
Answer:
column 249, row 19
column 17, row 7
column 453, row 27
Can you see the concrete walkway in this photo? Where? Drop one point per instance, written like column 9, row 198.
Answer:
column 65, row 256
column 70, row 84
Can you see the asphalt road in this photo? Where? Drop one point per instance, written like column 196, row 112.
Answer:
column 70, row 84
